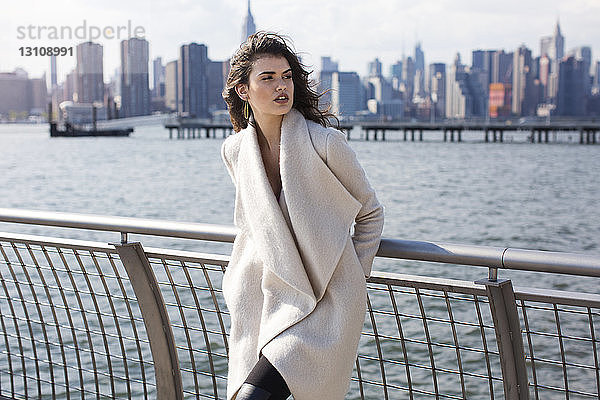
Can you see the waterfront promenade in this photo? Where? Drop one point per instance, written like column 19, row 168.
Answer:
column 121, row 320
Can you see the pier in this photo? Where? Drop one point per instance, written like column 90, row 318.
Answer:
column 588, row 133
column 192, row 129
column 81, row 318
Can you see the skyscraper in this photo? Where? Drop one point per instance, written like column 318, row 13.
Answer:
column 501, row 67
column 53, row 80
column 571, row 97
column 396, row 75
column 584, row 53
column 216, row 82
column 437, row 88
column 375, row 67
column 419, row 83
column 483, row 60
column 328, row 67
column 345, row 99
column 408, row 73
column 248, row 28
column 597, row 78
column 158, row 77
column 89, row 86
column 554, row 47
column 171, row 87
column 135, row 89
column 193, row 86
column 544, row 75
column 523, row 99
column 465, row 96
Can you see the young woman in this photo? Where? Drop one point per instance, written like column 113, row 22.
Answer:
column 295, row 284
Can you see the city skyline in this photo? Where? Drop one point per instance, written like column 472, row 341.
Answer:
column 395, row 29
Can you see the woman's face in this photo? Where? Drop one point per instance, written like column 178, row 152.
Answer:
column 270, row 88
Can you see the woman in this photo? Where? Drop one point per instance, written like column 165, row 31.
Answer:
column 295, row 284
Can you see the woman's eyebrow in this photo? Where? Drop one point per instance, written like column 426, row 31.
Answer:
column 273, row 72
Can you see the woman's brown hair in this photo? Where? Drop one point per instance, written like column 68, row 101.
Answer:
column 306, row 99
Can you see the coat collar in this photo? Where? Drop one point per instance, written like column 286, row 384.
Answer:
column 320, row 208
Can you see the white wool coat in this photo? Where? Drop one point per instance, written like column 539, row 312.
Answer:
column 295, row 284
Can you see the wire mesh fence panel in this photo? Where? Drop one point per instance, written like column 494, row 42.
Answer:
column 71, row 327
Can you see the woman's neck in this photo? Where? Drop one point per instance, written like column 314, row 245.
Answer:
column 269, row 130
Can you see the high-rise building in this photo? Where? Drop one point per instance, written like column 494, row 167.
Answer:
column 419, row 79
column 483, row 61
column 523, row 98
column 544, row 75
column 216, row 82
column 39, row 96
column 193, row 85
column 501, row 67
column 158, row 77
column 89, row 85
column 465, row 97
column 554, row 47
column 16, row 97
column 597, row 78
column 375, row 67
column 328, row 67
column 584, row 53
column 248, row 28
column 346, row 93
column 69, row 86
column 21, row 95
column 500, row 100
column 135, row 88
column 437, row 88
column 53, row 73
column 408, row 73
column 171, row 87
column 571, row 97
column 396, row 75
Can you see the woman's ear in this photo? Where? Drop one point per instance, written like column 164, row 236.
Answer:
column 242, row 91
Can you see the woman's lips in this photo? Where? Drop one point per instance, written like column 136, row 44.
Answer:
column 281, row 99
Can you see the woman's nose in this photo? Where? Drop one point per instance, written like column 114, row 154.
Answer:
column 281, row 84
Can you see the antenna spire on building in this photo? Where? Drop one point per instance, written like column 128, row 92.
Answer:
column 249, row 28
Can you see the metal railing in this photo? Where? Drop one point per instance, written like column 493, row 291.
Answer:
column 84, row 319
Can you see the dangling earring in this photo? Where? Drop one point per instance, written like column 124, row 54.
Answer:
column 246, row 110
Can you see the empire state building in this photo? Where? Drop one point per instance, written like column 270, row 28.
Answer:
column 248, row 28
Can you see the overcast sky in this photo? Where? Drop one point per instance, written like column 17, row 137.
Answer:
column 350, row 31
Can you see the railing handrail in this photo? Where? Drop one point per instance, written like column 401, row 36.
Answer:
column 486, row 256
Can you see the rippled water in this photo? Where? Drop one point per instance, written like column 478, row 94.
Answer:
column 537, row 196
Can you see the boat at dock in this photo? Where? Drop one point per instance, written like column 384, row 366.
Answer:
column 69, row 129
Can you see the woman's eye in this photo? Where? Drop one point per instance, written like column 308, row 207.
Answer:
column 287, row 77
column 266, row 78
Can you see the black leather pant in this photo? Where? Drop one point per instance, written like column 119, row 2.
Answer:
column 263, row 383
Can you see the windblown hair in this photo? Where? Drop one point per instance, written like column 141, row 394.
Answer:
column 260, row 44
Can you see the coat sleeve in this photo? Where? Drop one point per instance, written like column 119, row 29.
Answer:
column 343, row 162
column 226, row 156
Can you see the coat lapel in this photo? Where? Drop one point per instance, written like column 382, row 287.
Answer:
column 258, row 211
column 321, row 210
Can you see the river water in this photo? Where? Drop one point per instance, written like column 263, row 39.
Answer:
column 517, row 194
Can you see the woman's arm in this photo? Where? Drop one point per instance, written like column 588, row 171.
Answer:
column 342, row 161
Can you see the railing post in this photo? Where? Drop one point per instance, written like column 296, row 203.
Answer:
column 508, row 335
column 156, row 320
